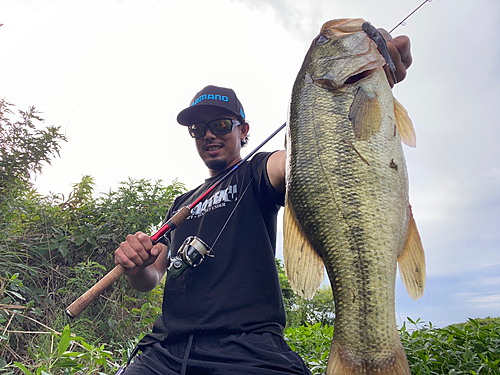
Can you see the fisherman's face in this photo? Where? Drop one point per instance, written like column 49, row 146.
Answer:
column 221, row 151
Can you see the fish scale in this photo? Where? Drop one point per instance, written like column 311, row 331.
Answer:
column 347, row 199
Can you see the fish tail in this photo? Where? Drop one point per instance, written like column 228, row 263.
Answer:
column 344, row 362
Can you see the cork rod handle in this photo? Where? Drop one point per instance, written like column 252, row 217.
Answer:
column 90, row 295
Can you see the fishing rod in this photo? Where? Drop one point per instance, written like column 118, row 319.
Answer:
column 402, row 23
column 381, row 43
column 90, row 295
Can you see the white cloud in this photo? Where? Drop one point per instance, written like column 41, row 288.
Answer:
column 480, row 301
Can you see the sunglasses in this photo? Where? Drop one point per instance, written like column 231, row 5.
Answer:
column 217, row 127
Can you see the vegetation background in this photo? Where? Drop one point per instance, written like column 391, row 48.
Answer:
column 53, row 248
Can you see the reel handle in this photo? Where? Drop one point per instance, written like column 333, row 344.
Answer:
column 90, row 295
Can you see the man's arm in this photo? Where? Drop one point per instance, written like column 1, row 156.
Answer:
column 144, row 263
column 276, row 165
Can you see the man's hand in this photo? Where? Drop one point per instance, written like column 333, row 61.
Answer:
column 400, row 51
column 137, row 252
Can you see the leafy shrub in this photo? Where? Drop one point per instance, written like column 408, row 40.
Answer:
column 24, row 147
column 300, row 311
column 312, row 343
column 56, row 248
column 468, row 348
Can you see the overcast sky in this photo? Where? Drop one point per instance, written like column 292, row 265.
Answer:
column 114, row 74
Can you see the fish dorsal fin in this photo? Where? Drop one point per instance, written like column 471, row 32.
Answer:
column 365, row 115
column 304, row 267
column 412, row 262
column 404, row 124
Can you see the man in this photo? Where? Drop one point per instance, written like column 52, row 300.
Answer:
column 227, row 315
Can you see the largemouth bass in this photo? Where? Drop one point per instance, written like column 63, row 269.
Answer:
column 347, row 204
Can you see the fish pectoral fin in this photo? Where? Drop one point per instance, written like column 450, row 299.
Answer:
column 304, row 267
column 365, row 115
column 412, row 262
column 405, row 125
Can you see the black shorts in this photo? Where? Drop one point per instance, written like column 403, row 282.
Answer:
column 246, row 353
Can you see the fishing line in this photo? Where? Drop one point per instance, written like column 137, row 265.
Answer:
column 232, row 212
column 185, row 211
column 403, row 23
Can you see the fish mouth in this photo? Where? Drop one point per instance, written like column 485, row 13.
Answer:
column 358, row 77
column 338, row 82
column 336, row 70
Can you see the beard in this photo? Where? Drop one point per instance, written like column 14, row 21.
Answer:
column 216, row 164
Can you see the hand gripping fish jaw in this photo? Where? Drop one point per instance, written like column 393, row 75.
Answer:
column 191, row 254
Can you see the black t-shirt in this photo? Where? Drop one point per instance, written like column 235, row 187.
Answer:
column 238, row 289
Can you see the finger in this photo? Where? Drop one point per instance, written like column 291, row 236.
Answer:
column 123, row 260
column 145, row 240
column 385, row 34
column 403, row 45
column 155, row 252
column 400, row 72
column 158, row 249
column 394, row 54
column 129, row 256
column 398, row 63
column 400, row 51
column 136, row 249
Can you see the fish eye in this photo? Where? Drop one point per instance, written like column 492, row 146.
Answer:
column 321, row 40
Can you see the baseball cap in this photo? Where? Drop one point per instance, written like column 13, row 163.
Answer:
column 212, row 99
